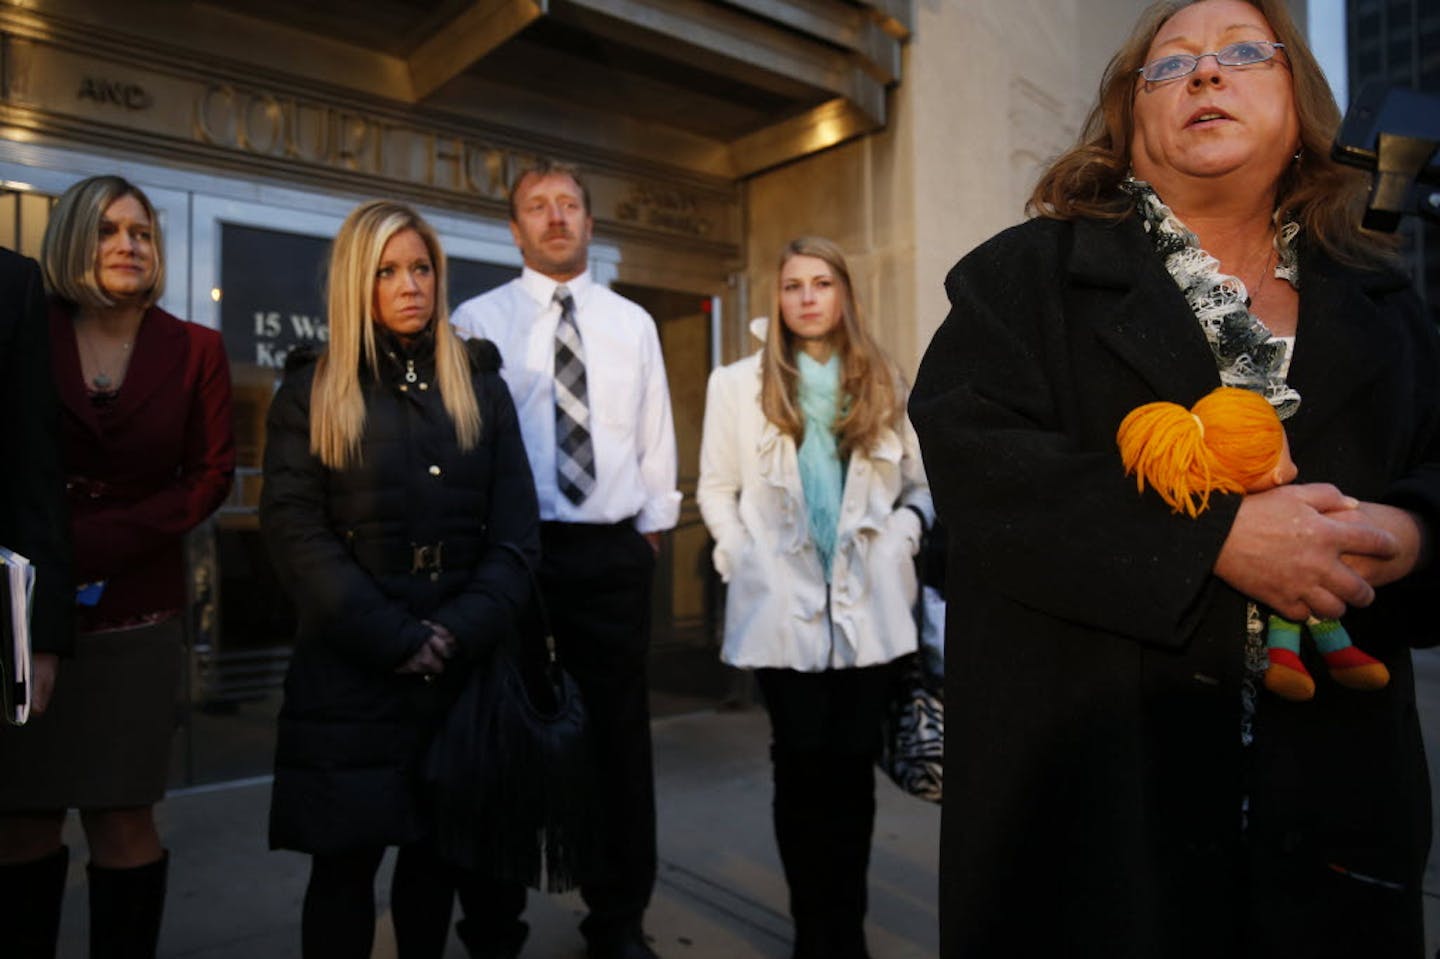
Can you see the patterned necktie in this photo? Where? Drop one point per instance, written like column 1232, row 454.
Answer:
column 574, row 450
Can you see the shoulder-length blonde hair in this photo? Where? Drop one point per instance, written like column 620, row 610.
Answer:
column 72, row 242
column 337, row 407
column 1325, row 198
column 868, row 380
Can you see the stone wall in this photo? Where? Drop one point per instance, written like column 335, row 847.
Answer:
column 992, row 90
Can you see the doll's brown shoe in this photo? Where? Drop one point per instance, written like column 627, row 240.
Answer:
column 1353, row 668
column 1287, row 677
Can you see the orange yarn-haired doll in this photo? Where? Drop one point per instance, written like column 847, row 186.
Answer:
column 1231, row 441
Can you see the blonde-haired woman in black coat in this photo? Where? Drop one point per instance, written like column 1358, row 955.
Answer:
column 396, row 493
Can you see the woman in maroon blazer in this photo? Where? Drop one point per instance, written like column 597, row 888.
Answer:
column 148, row 452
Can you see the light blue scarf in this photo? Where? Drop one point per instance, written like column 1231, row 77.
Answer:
column 821, row 475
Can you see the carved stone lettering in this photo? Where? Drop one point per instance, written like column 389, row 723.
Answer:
column 485, row 171
column 127, row 96
column 215, row 117
column 446, row 167
column 664, row 208
column 307, row 131
column 264, row 126
column 262, row 123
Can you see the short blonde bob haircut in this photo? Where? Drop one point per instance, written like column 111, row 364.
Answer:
column 869, row 382
column 1325, row 198
column 71, row 247
column 337, row 404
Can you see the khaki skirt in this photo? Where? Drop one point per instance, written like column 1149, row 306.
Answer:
column 104, row 742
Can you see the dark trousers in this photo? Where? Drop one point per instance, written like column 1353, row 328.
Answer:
column 825, row 730
column 597, row 583
column 338, row 917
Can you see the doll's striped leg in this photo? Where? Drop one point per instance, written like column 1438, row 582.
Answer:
column 1348, row 664
column 1286, row 676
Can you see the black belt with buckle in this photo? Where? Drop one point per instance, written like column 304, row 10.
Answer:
column 427, row 558
column 416, row 559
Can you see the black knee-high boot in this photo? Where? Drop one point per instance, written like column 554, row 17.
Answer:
column 800, row 834
column 126, row 906
column 32, row 892
column 492, row 927
column 851, row 821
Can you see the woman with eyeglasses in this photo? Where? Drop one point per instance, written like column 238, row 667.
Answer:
column 1116, row 771
column 398, row 503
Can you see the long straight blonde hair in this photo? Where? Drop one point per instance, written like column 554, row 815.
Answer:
column 868, row 380
column 337, row 406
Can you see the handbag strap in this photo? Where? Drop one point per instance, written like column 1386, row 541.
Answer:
column 549, row 633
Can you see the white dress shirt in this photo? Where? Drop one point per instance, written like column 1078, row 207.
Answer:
column 630, row 421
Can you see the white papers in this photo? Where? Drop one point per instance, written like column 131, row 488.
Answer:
column 17, row 587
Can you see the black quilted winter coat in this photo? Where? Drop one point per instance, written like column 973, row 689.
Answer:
column 412, row 533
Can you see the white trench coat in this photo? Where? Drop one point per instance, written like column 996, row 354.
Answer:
column 778, row 611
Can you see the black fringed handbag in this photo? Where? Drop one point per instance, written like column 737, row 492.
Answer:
column 509, row 771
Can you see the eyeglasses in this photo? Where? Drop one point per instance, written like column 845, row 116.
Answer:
column 1178, row 65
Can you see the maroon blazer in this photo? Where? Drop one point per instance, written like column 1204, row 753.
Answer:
column 148, row 470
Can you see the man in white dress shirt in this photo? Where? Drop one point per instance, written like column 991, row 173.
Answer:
column 586, row 372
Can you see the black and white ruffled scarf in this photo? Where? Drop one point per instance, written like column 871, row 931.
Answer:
column 1246, row 353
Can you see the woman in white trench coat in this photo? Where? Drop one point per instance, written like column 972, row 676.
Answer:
column 812, row 486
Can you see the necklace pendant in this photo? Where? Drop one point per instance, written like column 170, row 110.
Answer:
column 100, row 381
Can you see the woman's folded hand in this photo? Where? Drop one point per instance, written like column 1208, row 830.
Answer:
column 1287, row 546
column 430, row 658
column 1409, row 535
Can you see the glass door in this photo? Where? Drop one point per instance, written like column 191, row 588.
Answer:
column 685, row 669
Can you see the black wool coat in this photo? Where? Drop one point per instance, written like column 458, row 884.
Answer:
column 1094, row 769
column 352, row 730
column 34, row 520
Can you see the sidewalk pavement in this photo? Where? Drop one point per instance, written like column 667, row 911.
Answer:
column 720, row 895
